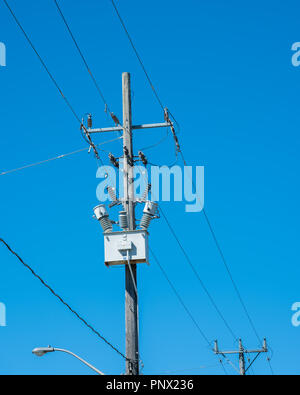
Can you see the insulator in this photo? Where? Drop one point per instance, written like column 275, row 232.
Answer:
column 143, row 158
column 175, row 139
column 115, row 118
column 90, row 121
column 129, row 158
column 150, row 208
column 166, row 114
column 106, row 224
column 123, row 220
column 112, row 194
column 100, row 211
column 102, row 216
column 145, row 194
column 113, row 160
column 150, row 211
column 145, row 222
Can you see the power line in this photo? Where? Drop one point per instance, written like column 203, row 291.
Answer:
column 137, row 54
column 230, row 363
column 185, row 163
column 250, row 367
column 195, row 271
column 42, row 162
column 156, row 144
column 155, row 92
column 220, row 250
column 42, row 62
column 269, row 358
column 179, row 298
column 231, row 276
column 269, row 362
column 197, row 275
column 83, row 57
column 223, row 367
column 61, row 300
column 86, row 136
column 186, row 308
column 53, row 159
column 252, row 362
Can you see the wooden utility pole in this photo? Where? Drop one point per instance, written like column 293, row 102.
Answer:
column 128, row 201
column 241, row 353
column 131, row 298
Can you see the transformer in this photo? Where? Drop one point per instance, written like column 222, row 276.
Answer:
column 121, row 246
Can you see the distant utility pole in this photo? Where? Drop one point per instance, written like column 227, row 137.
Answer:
column 241, row 352
column 130, row 246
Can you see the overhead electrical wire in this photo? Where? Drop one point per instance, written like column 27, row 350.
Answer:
column 142, row 65
column 83, row 57
column 222, row 255
column 230, row 363
column 156, row 144
column 269, row 358
column 55, row 158
column 185, row 163
column 78, row 119
column 42, row 162
column 252, row 362
column 223, row 367
column 61, row 299
column 180, row 299
column 42, row 62
column 137, row 54
column 87, row 136
column 187, row 310
column 189, row 261
column 271, row 369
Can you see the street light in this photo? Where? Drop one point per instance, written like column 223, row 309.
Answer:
column 41, row 351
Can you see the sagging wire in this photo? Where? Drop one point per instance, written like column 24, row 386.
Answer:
column 189, row 261
column 61, row 299
column 42, row 61
column 223, row 367
column 185, row 163
column 107, row 109
column 55, row 158
column 51, row 76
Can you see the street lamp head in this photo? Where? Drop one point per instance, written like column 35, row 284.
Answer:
column 40, row 352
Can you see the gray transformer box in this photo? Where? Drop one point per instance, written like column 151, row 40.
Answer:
column 117, row 246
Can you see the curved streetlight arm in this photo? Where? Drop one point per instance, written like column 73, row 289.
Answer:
column 80, row 359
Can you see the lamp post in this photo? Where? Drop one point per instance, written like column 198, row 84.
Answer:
column 41, row 351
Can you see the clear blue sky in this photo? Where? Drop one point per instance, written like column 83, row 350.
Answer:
column 224, row 69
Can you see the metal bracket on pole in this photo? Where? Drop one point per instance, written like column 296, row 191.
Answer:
column 241, row 352
column 134, row 127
